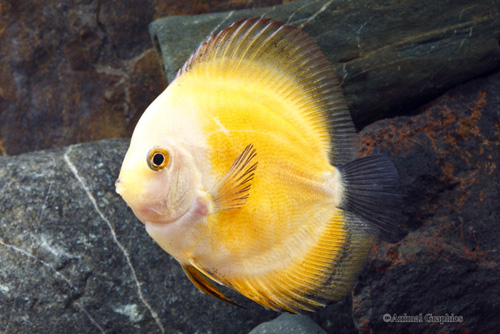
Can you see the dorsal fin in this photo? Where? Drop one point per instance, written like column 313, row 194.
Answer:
column 290, row 63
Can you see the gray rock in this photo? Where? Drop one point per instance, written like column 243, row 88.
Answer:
column 390, row 57
column 74, row 258
column 290, row 324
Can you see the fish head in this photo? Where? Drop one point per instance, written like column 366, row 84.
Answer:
column 158, row 180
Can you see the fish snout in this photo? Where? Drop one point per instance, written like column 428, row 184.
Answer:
column 119, row 186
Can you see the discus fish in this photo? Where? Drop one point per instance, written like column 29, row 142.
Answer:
column 244, row 170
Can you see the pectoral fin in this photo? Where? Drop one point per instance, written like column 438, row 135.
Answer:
column 233, row 188
column 205, row 284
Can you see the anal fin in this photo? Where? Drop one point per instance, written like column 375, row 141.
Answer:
column 205, row 284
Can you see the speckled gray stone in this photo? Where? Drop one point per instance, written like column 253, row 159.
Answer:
column 75, row 259
column 290, row 324
column 390, row 56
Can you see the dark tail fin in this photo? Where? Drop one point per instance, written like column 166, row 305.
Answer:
column 372, row 192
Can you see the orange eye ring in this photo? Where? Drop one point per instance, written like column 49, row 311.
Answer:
column 158, row 158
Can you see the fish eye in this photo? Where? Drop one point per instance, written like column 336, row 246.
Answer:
column 158, row 158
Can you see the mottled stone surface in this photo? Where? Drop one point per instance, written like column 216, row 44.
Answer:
column 290, row 324
column 448, row 157
column 74, row 258
column 390, row 56
column 76, row 71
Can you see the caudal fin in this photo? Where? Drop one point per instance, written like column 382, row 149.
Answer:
column 372, row 192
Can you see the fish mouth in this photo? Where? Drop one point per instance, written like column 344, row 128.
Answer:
column 132, row 198
column 147, row 209
column 118, row 186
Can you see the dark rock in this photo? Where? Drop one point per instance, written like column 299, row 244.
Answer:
column 336, row 318
column 290, row 324
column 449, row 263
column 77, row 71
column 74, row 258
column 390, row 56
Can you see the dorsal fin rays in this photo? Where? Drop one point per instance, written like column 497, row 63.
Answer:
column 290, row 63
column 240, row 49
column 258, row 54
column 266, row 24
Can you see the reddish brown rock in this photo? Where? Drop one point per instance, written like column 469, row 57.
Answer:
column 76, row 71
column 449, row 263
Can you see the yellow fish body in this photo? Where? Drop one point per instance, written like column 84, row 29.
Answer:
column 243, row 170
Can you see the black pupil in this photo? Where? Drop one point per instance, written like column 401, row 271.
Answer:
column 158, row 159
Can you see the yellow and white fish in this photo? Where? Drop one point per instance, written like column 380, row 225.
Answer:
column 243, row 170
